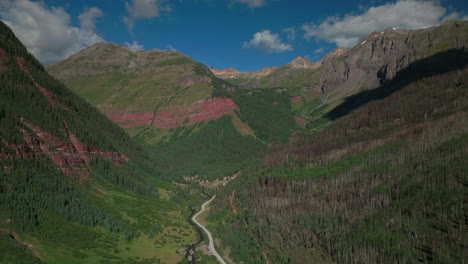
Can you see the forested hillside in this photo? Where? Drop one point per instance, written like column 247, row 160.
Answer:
column 384, row 182
column 74, row 188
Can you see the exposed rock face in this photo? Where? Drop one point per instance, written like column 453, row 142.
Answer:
column 297, row 63
column 226, row 73
column 180, row 116
column 374, row 60
column 259, row 73
column 334, row 53
column 267, row 70
column 302, row 63
column 231, row 73
column 71, row 158
column 13, row 150
column 383, row 54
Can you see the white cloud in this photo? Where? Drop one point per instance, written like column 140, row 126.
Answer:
column 135, row 45
column 291, row 32
column 88, row 17
column 46, row 31
column 143, row 9
column 170, row 47
column 266, row 41
column 319, row 51
column 252, row 3
column 404, row 14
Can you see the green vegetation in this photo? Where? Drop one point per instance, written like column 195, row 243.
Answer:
column 11, row 249
column 267, row 112
column 215, row 151
column 122, row 212
column 384, row 183
column 178, row 61
column 377, row 177
column 290, row 78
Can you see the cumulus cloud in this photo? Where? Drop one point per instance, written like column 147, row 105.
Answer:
column 252, row 3
column 266, row 41
column 405, row 14
column 143, row 9
column 135, row 45
column 46, row 31
column 88, row 17
column 291, row 33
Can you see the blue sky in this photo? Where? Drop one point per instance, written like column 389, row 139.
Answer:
column 244, row 34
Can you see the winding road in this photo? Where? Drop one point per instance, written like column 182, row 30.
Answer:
column 210, row 237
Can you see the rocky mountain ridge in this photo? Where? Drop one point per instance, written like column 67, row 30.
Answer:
column 232, row 73
column 383, row 54
column 296, row 63
column 374, row 60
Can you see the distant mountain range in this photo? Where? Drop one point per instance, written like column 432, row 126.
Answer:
column 140, row 89
column 365, row 66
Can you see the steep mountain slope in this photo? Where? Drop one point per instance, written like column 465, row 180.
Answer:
column 74, row 188
column 385, row 182
column 383, row 54
column 171, row 104
column 149, row 92
column 316, row 88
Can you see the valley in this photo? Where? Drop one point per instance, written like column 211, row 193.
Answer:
column 123, row 155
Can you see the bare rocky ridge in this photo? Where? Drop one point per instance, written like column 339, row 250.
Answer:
column 231, row 73
column 382, row 54
column 302, row 63
column 226, row 73
column 374, row 60
column 297, row 63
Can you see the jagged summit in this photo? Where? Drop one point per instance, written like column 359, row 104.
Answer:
column 302, row 63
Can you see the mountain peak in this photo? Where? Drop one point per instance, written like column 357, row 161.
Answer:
column 299, row 59
column 301, row 63
column 226, row 73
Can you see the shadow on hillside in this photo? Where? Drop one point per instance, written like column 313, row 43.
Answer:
column 439, row 63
